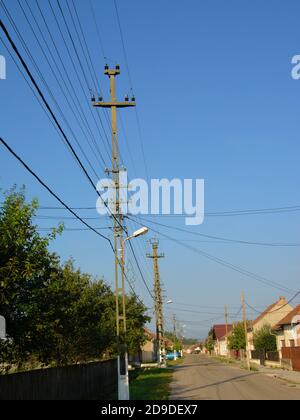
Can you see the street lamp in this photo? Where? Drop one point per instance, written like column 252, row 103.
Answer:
column 123, row 375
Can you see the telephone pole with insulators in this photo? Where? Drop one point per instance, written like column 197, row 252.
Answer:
column 113, row 104
column 161, row 352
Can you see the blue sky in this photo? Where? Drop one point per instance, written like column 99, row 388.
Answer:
column 216, row 100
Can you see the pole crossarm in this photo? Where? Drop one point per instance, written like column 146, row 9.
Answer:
column 113, row 104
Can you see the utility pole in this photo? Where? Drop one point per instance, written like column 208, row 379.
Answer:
column 158, row 304
column 113, row 104
column 226, row 322
column 246, row 331
column 175, row 335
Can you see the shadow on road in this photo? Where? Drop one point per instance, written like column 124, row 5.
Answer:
column 178, row 390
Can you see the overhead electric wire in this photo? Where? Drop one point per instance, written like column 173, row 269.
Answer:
column 224, row 263
column 74, row 94
column 275, row 310
column 69, row 96
column 97, row 29
column 62, row 132
column 12, row 152
column 53, row 194
column 78, row 77
column 131, row 87
column 223, row 239
column 249, row 212
column 275, row 210
column 42, row 78
column 78, row 57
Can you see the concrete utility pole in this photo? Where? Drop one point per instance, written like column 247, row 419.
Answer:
column 226, row 323
column 123, row 380
column 158, row 304
column 246, row 331
column 175, row 334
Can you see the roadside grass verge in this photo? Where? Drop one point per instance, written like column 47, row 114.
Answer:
column 238, row 363
column 151, row 384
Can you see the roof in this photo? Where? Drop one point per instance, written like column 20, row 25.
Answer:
column 288, row 319
column 150, row 335
column 282, row 301
column 220, row 330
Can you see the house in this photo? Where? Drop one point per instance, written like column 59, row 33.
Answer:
column 271, row 316
column 288, row 330
column 220, row 339
column 148, row 351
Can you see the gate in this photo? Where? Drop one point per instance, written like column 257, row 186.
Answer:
column 293, row 354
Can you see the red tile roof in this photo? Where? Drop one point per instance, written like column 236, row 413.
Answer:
column 287, row 320
column 220, row 331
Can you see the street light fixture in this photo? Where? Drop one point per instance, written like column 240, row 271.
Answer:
column 123, row 375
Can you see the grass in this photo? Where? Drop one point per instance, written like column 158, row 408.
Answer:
column 151, row 384
column 171, row 363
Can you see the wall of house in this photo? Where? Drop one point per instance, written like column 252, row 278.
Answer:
column 223, row 348
column 287, row 334
column 148, row 354
column 274, row 316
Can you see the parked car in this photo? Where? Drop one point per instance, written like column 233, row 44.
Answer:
column 171, row 356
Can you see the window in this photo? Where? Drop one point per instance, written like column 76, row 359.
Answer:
column 292, row 343
column 282, row 343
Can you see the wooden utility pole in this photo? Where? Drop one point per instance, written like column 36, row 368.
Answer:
column 158, row 303
column 113, row 104
column 246, row 330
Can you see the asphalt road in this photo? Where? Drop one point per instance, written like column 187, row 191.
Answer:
column 202, row 378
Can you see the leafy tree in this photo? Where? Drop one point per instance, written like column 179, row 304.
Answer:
column 236, row 340
column 264, row 340
column 26, row 266
column 177, row 343
column 209, row 344
column 136, row 320
column 54, row 312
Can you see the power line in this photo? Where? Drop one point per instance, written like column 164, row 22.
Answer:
column 131, row 87
column 51, row 191
column 275, row 310
column 59, row 128
column 283, row 209
column 69, row 94
column 78, row 78
column 227, row 264
column 222, row 238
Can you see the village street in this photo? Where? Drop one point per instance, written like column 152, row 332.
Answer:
column 203, row 378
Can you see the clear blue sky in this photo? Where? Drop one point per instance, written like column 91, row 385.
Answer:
column 216, row 101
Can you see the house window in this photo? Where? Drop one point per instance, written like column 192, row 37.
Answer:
column 292, row 343
column 282, row 343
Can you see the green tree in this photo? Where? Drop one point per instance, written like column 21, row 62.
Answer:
column 136, row 321
column 54, row 312
column 26, row 266
column 209, row 344
column 236, row 340
column 264, row 340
